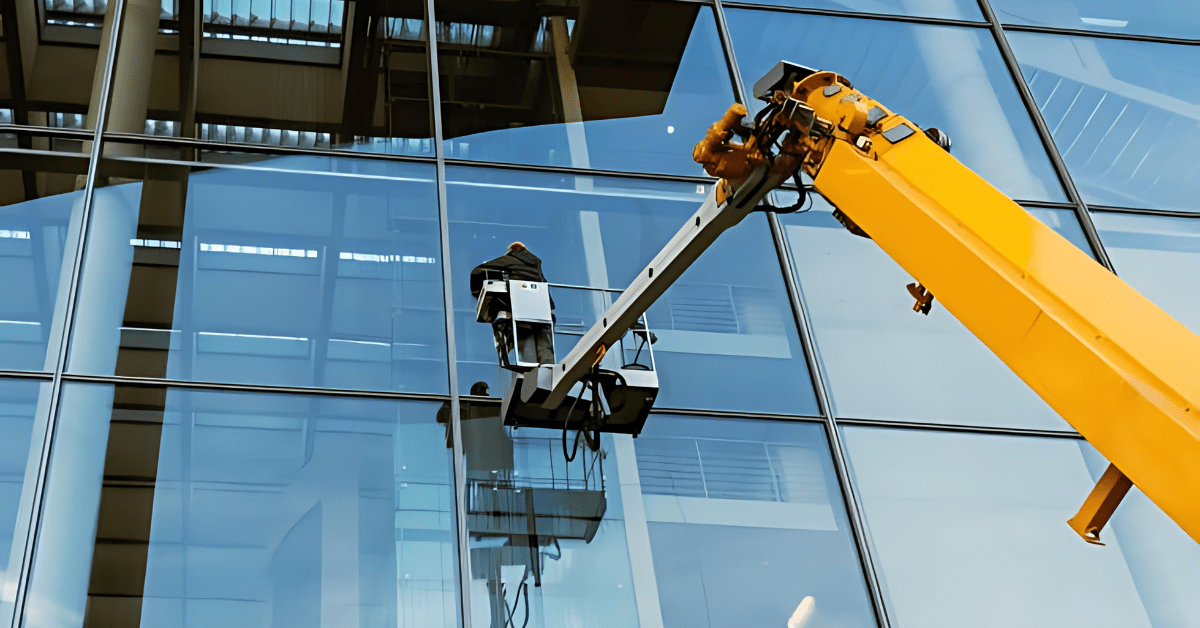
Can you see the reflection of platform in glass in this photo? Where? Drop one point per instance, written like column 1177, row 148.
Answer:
column 501, row 508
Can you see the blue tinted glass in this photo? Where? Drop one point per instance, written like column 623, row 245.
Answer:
column 19, row 401
column 1123, row 114
column 1172, row 18
column 1159, row 256
column 938, row 76
column 552, row 542
column 269, row 277
column 40, row 212
column 726, row 336
column 633, row 89
column 884, row 361
column 929, row 496
column 949, row 9
column 751, row 510
column 241, row 509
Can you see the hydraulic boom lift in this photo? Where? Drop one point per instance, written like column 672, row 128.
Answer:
column 1120, row 370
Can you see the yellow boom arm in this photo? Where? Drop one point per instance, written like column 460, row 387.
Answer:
column 1114, row 365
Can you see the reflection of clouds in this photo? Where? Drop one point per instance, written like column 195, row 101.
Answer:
column 1123, row 115
column 803, row 613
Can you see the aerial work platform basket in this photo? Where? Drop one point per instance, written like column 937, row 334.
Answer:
column 616, row 396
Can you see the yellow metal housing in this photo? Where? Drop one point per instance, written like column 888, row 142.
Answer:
column 1110, row 362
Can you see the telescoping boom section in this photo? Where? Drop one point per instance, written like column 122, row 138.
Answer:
column 1114, row 365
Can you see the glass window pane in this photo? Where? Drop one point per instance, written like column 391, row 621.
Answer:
column 1123, row 114
column 551, row 538
column 884, row 361
column 245, row 509
column 291, row 73
column 947, row 77
column 1172, row 18
column 970, row 529
column 747, row 523
column 1159, row 256
column 626, row 85
column 726, row 335
column 328, row 275
column 19, row 459
column 41, row 206
column 949, row 9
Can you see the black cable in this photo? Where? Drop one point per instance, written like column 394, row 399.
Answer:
column 507, row 611
column 592, row 437
column 637, row 355
column 522, row 586
column 763, row 113
column 557, row 547
column 526, row 622
column 798, row 207
column 597, row 410
column 760, row 132
column 567, row 421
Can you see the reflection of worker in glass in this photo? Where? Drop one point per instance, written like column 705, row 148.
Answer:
column 536, row 344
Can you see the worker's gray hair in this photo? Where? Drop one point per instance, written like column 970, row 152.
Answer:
column 517, row 246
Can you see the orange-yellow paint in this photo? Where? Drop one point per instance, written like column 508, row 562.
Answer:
column 1109, row 361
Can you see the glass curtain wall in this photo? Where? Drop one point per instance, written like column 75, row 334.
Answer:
column 251, row 425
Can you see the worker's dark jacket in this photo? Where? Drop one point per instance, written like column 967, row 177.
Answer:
column 519, row 265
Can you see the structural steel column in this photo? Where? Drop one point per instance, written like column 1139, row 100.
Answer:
column 130, row 93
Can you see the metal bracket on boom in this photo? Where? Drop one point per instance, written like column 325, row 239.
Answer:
column 1100, row 504
column 923, row 296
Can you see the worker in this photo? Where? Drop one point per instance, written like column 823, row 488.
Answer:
column 519, row 263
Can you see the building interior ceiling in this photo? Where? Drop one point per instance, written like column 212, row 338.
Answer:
column 497, row 57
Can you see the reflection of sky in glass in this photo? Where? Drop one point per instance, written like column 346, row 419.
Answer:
column 33, row 241
column 275, row 21
column 19, row 403
column 951, row 78
column 1174, row 18
column 762, row 500
column 961, row 523
column 1124, row 115
column 949, row 9
column 882, row 360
